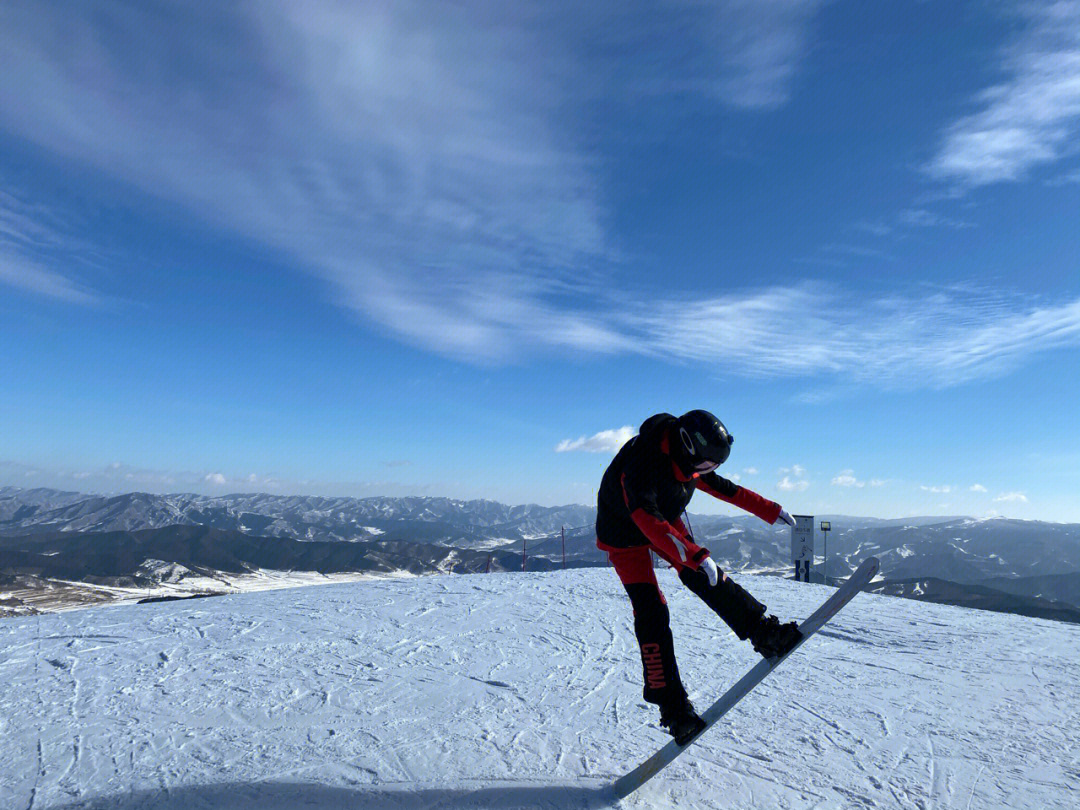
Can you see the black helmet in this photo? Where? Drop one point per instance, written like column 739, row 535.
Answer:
column 703, row 442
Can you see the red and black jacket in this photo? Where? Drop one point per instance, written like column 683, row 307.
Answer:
column 644, row 494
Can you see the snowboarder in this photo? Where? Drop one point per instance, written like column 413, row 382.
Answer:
column 642, row 498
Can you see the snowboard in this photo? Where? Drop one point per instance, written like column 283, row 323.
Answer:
column 631, row 781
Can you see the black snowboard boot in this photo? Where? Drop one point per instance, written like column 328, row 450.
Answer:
column 681, row 721
column 774, row 640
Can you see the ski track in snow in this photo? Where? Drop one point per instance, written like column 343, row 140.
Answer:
column 523, row 690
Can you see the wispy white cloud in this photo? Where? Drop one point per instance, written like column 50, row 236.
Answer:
column 606, row 441
column 420, row 161
column 925, row 218
column 120, row 477
column 744, row 53
column 977, row 488
column 25, row 274
column 788, row 484
column 1067, row 179
column 406, row 155
column 936, row 489
column 936, row 339
column 417, row 157
column 877, row 482
column 1032, row 116
column 33, row 243
column 876, row 228
column 855, row 251
column 109, row 477
column 750, row 470
column 760, row 44
column 823, row 394
column 794, row 479
column 1012, row 497
column 843, row 254
column 847, row 478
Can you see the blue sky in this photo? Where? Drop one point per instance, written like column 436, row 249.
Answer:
column 465, row 249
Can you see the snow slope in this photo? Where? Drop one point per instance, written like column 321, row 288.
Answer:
column 523, row 690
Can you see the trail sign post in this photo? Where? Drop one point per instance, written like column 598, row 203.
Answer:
column 802, row 546
column 825, row 526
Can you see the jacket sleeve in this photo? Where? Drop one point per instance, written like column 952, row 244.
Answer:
column 640, row 498
column 741, row 497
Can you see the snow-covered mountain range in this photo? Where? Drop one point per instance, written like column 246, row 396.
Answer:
column 464, row 524
column 52, row 534
column 524, row 691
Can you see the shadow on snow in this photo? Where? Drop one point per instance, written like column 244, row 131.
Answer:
column 299, row 796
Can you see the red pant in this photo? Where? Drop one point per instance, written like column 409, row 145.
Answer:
column 729, row 600
column 651, row 623
column 634, row 565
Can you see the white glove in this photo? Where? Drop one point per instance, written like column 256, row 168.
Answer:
column 784, row 516
column 708, row 567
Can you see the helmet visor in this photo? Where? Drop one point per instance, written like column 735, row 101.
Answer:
column 705, row 466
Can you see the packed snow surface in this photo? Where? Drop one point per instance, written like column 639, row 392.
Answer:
column 523, row 690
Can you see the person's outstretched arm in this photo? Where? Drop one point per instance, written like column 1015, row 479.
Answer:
column 741, row 497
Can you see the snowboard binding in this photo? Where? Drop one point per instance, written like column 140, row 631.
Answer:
column 774, row 640
column 681, row 721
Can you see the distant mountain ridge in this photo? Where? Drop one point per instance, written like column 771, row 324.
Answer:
column 120, row 558
column 1027, row 560
column 958, row 549
column 441, row 520
column 980, row 597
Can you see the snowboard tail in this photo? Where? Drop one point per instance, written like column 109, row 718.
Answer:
column 631, row 781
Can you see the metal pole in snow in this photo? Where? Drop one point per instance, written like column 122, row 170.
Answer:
column 826, row 525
